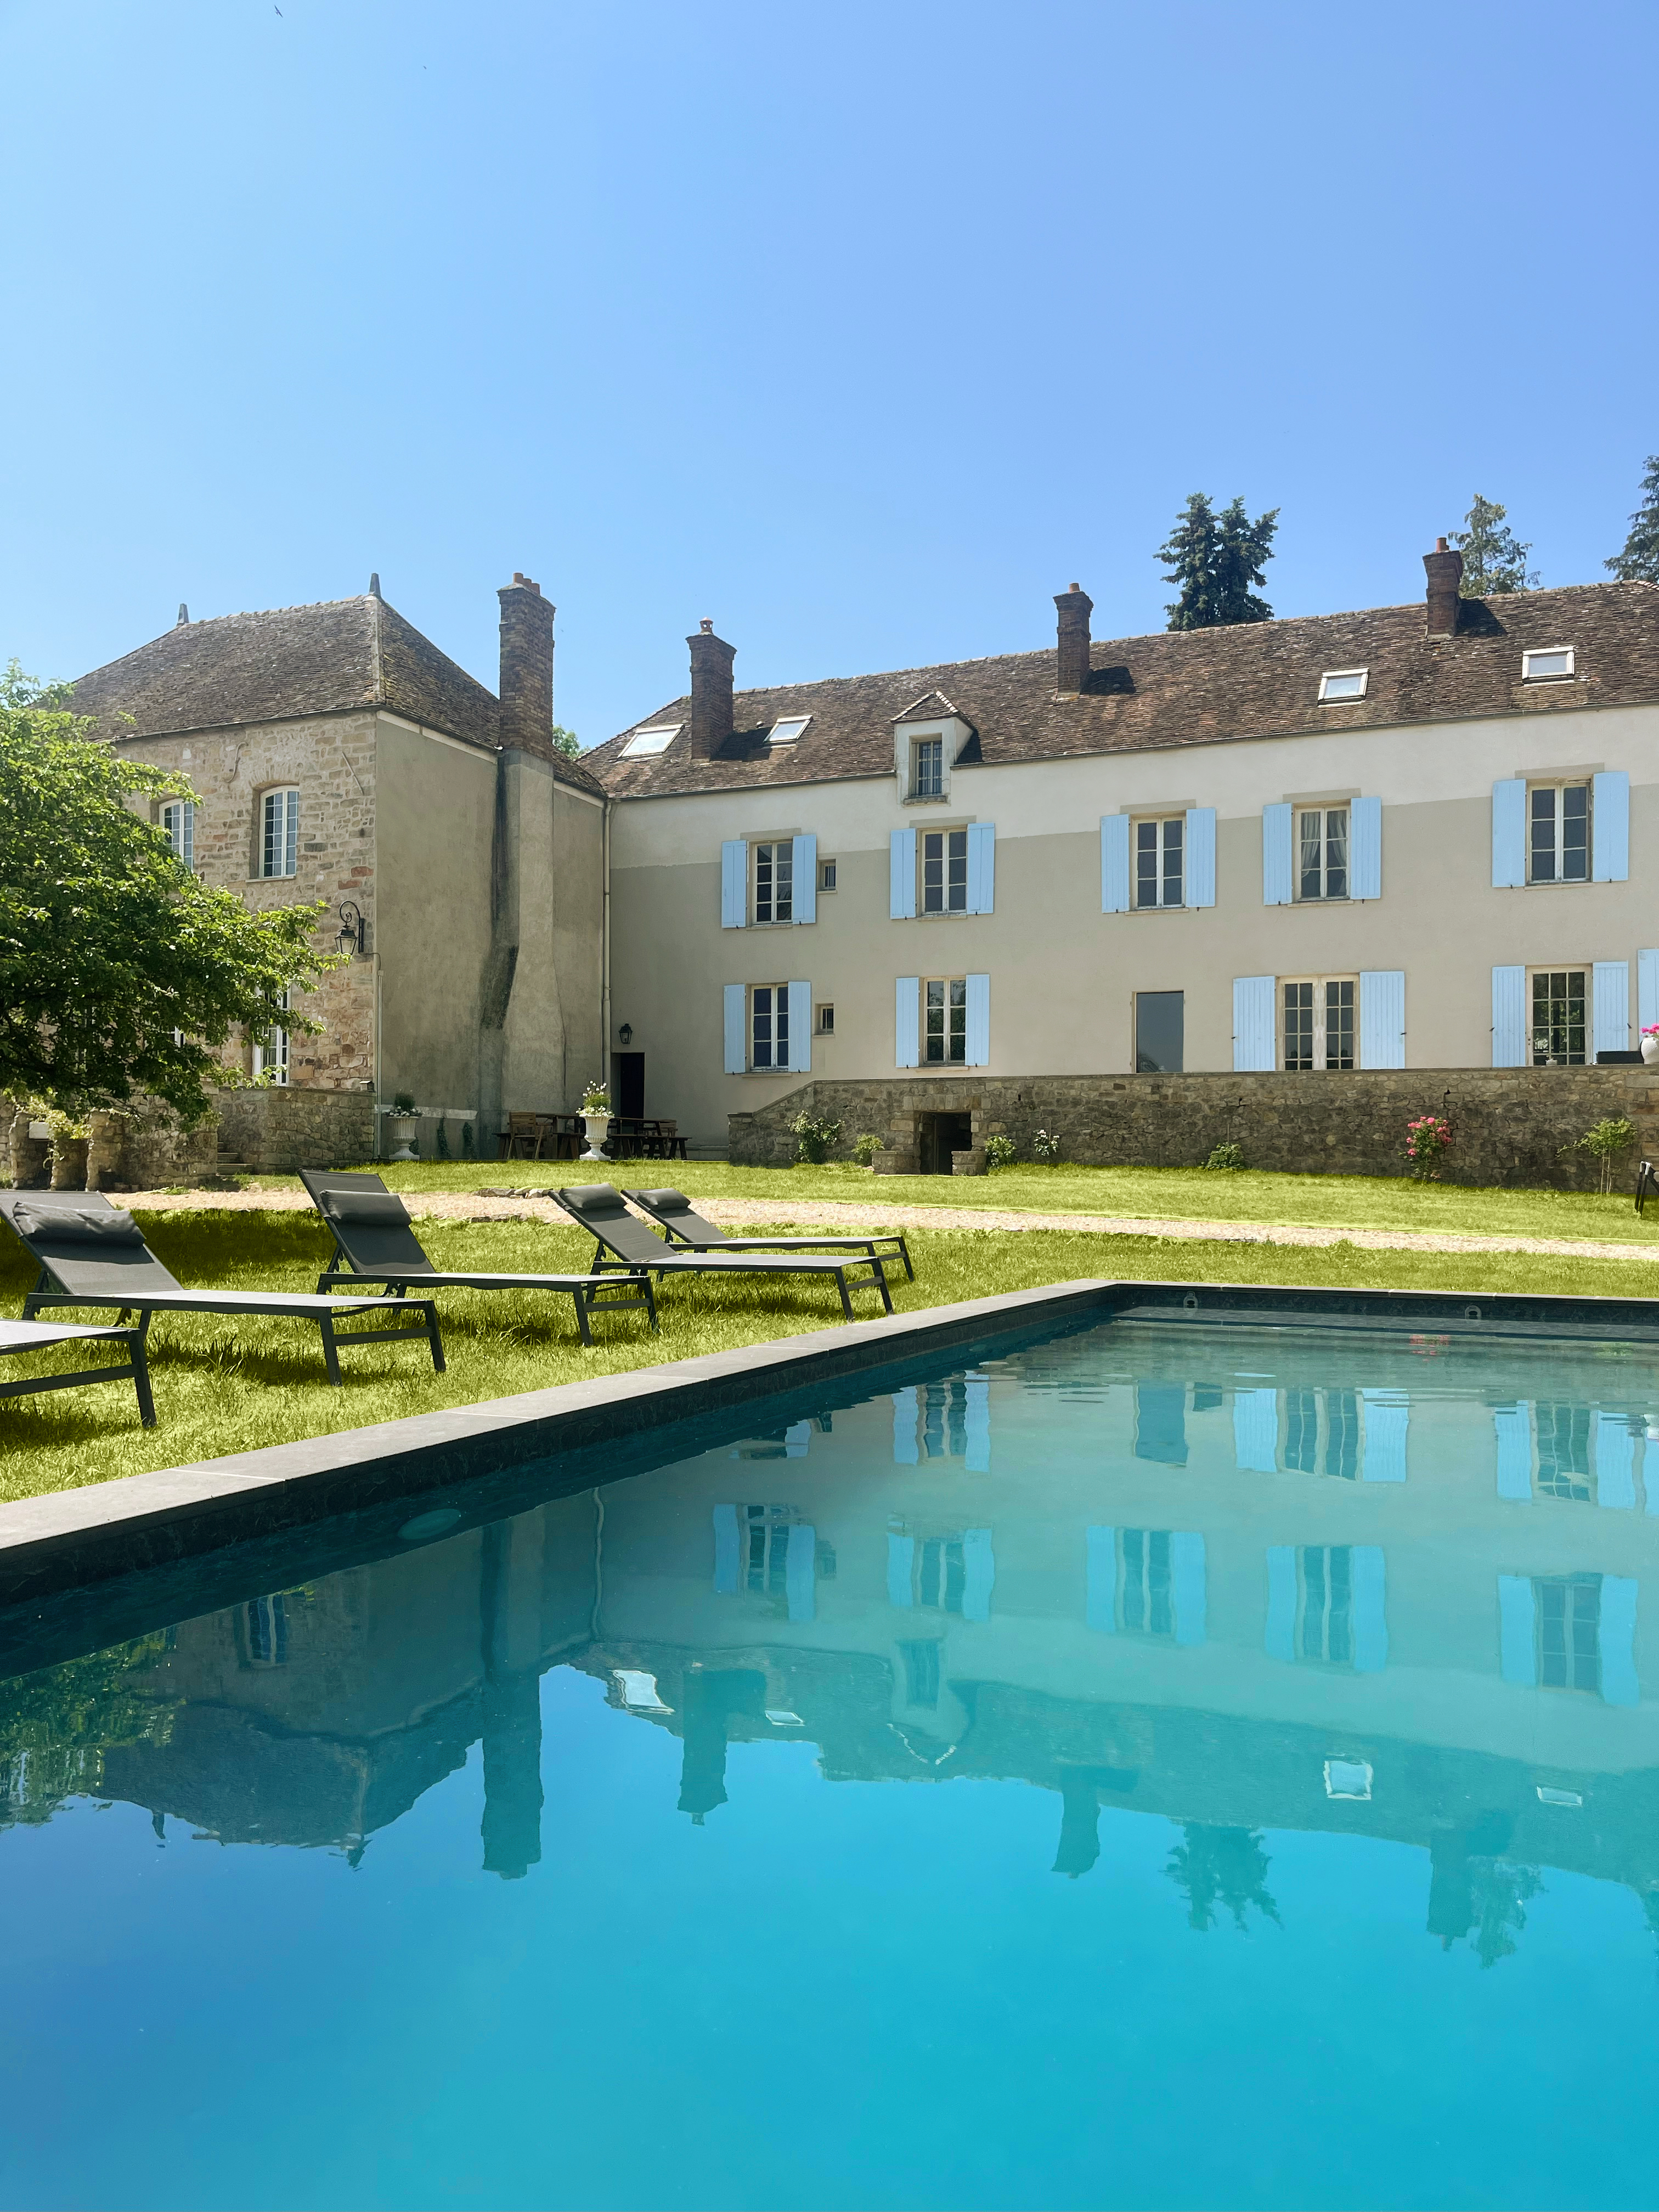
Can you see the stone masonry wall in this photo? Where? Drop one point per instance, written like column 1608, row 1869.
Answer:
column 280, row 1131
column 1510, row 1123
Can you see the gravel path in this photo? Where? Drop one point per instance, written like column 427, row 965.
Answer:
column 824, row 1213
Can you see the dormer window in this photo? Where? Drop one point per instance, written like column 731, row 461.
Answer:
column 1550, row 667
column 785, row 731
column 927, row 768
column 643, row 743
column 1338, row 684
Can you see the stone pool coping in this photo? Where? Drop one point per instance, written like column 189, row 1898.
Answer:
column 76, row 1540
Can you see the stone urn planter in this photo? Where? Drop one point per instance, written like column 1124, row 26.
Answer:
column 403, row 1129
column 597, row 1127
column 1651, row 1052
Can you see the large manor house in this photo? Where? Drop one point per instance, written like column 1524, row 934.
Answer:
column 1284, row 879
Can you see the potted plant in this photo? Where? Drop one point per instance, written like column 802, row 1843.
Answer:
column 405, row 1120
column 1650, row 1046
column 596, row 1119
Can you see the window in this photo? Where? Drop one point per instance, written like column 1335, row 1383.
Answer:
column 944, row 872
column 1160, row 1025
column 763, row 1535
column 1343, row 684
column 279, row 833
column 271, row 1051
column 179, row 820
column 1558, row 833
column 920, row 1673
column 1558, row 1030
column 1567, row 1609
column 1146, row 1597
column 1563, row 1451
column 1321, row 1433
column 1322, row 846
column 941, row 1573
column 928, row 768
column 775, row 881
column 945, row 1021
column 826, row 875
column 643, row 743
column 826, row 1019
column 1548, row 667
column 1160, row 878
column 267, row 1631
column 1319, row 1018
column 786, row 729
column 768, row 1027
column 1326, row 1624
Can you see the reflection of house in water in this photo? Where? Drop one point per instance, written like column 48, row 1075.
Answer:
column 1276, row 1597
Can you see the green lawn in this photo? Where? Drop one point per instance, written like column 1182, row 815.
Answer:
column 220, row 1388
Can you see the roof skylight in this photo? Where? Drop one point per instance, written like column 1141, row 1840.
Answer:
column 1343, row 684
column 784, row 731
column 1539, row 667
column 654, row 740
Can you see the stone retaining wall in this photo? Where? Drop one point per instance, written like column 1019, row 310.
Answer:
column 1510, row 1123
column 281, row 1130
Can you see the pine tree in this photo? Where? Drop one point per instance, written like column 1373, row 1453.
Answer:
column 1494, row 559
column 1212, row 560
column 1640, row 562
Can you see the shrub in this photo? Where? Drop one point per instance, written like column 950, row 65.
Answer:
column 596, row 1098
column 814, row 1139
column 1000, row 1152
column 443, row 1139
column 1226, row 1156
column 864, row 1149
column 403, row 1103
column 1044, row 1146
column 1604, row 1143
column 1427, row 1140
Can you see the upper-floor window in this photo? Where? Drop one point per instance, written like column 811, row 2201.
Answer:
column 1549, row 665
column 1559, row 1032
column 775, row 881
column 1567, row 1614
column 179, row 820
column 786, row 729
column 267, row 1630
column 927, row 768
column 826, row 875
column 1322, row 853
column 943, row 871
column 1160, row 849
column 279, row 833
column 1325, row 1631
column 945, row 1021
column 1319, row 1022
column 768, row 1026
column 1558, row 833
column 1337, row 683
column 1145, row 1597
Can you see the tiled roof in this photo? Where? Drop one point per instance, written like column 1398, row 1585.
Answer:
column 329, row 659
column 1183, row 688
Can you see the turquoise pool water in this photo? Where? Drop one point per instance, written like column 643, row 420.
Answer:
column 1158, row 1766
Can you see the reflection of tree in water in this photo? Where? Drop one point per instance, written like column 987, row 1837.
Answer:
column 1221, row 1866
column 56, row 1725
column 1499, row 1894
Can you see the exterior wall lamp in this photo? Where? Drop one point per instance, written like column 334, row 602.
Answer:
column 353, row 939
column 626, row 1033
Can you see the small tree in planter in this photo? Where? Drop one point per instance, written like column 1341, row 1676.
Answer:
column 596, row 1118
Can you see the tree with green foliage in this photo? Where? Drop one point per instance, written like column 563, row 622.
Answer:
column 1640, row 562
column 120, row 971
column 1224, row 1867
column 1212, row 560
column 1494, row 559
column 566, row 741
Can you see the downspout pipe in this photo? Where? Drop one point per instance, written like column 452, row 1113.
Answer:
column 605, row 950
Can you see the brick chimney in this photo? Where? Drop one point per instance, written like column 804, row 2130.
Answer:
column 1074, row 608
column 711, row 691
column 1445, row 572
column 527, row 666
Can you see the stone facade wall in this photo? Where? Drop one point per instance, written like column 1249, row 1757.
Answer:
column 1510, row 1123
column 281, row 1130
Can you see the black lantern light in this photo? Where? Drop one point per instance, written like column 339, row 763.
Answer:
column 626, row 1033
column 353, row 931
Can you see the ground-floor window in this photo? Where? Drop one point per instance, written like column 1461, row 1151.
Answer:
column 945, row 1021
column 1160, row 1032
column 1318, row 1015
column 1559, row 1032
column 271, row 1052
column 768, row 1026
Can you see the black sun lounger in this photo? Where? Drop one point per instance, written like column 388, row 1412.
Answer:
column 374, row 1239
column 680, row 1220
column 622, row 1240
column 42, row 1335
column 90, row 1255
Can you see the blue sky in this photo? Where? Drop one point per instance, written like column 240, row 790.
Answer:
column 862, row 329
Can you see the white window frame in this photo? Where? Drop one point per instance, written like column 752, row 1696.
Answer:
column 645, row 744
column 825, row 1020
column 1560, row 785
column 289, row 833
column 774, row 847
column 1586, row 969
column 1320, row 984
column 932, row 751
column 178, row 826
column 827, row 871
column 1327, row 697
column 1322, row 1613
column 272, row 1053
column 778, row 1016
column 947, row 859
column 1531, row 675
column 1141, row 1583
column 796, row 727
column 1322, row 896
column 1161, row 824
column 946, row 984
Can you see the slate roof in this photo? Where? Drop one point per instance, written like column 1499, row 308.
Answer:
column 1177, row 689
column 328, row 658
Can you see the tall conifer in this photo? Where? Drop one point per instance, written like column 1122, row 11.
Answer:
column 1640, row 562
column 1494, row 559
column 1212, row 560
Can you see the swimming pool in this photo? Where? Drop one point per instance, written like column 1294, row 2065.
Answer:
column 1155, row 1765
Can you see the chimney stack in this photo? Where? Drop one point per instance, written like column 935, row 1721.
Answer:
column 184, row 615
column 1074, row 608
column 527, row 666
column 711, row 691
column 1445, row 572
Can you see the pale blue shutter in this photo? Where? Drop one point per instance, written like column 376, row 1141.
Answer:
column 1278, row 857
column 1616, row 1636
column 1114, row 864
column 1365, row 850
column 734, row 884
column 1615, row 1463
column 979, row 1574
column 1610, row 827
column 1382, row 1018
column 1370, row 1620
column 1281, row 1636
column 1253, row 1024
column 1647, row 988
column 804, row 870
column 800, row 1029
column 1509, row 1016
column 796, row 1439
column 725, row 1550
column 979, row 1021
column 976, row 1456
column 902, row 863
column 801, row 1571
column 905, row 1452
column 906, row 1020
column 1610, row 1006
column 737, row 1044
column 1187, row 1585
column 1513, row 1425
column 1102, row 1593
column 901, row 1561
column 1509, row 836
column 1201, row 856
column 981, row 866
column 1255, row 1430
column 1388, row 1416
column 1517, row 1656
